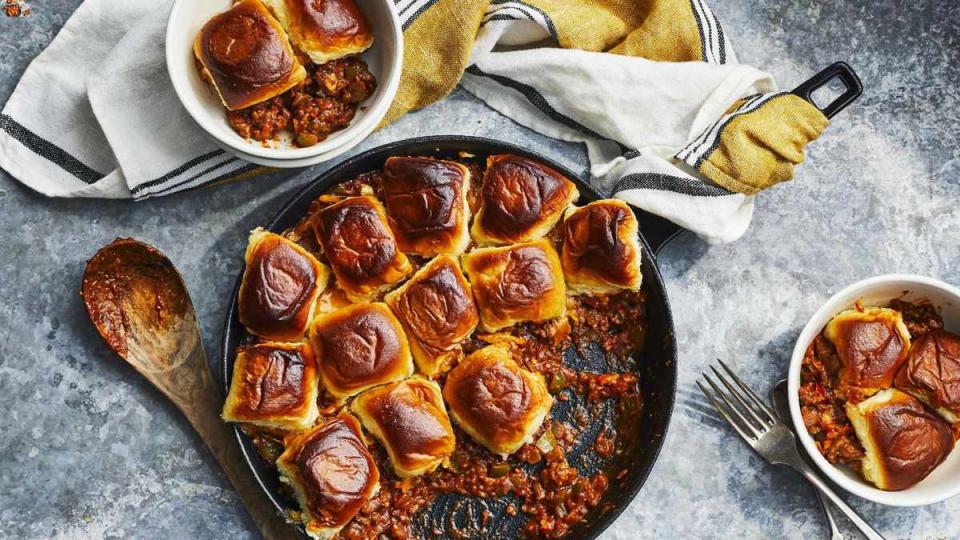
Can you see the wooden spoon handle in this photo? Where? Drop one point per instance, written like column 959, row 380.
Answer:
column 192, row 389
column 221, row 440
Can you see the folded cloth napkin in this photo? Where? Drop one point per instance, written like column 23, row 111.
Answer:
column 671, row 122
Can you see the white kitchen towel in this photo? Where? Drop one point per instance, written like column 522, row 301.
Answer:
column 633, row 114
column 94, row 115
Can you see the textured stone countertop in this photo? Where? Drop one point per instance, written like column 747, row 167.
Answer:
column 90, row 451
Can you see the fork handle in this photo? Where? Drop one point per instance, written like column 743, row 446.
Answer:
column 851, row 514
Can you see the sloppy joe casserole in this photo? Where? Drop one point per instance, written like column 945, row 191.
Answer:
column 436, row 355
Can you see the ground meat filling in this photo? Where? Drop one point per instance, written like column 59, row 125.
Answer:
column 823, row 398
column 823, row 409
column 325, row 102
column 540, row 481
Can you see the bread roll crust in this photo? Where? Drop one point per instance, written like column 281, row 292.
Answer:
column 872, row 345
column 426, row 202
column 361, row 247
column 437, row 310
column 601, row 248
column 410, row 420
column 903, row 439
column 520, row 200
column 324, row 29
column 932, row 372
column 247, row 56
column 274, row 385
column 518, row 283
column 360, row 346
column 332, row 474
column 494, row 400
column 279, row 288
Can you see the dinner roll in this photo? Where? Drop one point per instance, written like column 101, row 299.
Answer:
column 520, row 200
column 903, row 439
column 332, row 474
column 437, row 311
column 360, row 247
column 324, row 30
column 498, row 403
column 872, row 345
column 518, row 283
column 360, row 346
column 932, row 372
column 427, row 206
column 274, row 385
column 245, row 54
column 601, row 248
column 280, row 286
column 409, row 419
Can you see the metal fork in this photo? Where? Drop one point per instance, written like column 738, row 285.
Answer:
column 767, row 435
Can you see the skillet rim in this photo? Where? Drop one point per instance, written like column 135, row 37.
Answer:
column 621, row 499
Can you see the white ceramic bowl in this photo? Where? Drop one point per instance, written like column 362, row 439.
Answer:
column 384, row 58
column 944, row 481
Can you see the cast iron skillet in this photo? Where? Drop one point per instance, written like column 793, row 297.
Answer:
column 655, row 363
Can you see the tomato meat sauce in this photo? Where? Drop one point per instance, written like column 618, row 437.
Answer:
column 539, row 480
column 323, row 103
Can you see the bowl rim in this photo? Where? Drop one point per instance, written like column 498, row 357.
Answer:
column 374, row 114
column 832, row 306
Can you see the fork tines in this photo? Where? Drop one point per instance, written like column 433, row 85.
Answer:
column 738, row 404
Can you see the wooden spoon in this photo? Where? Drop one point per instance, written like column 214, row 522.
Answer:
column 139, row 304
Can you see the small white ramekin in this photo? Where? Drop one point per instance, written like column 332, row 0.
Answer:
column 385, row 59
column 944, row 481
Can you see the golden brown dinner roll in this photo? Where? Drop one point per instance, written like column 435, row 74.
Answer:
column 332, row 474
column 274, row 385
column 246, row 55
column 872, row 345
column 601, row 248
column 361, row 248
column 518, row 283
column 437, row 311
column 932, row 372
column 280, row 286
column 324, row 30
column 360, row 346
column 520, row 200
column 409, row 419
column 498, row 403
column 903, row 439
column 427, row 204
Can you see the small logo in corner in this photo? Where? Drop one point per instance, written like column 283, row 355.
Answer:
column 16, row 8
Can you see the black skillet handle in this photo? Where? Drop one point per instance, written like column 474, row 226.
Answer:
column 659, row 231
column 838, row 70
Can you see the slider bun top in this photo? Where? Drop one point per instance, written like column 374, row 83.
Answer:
column 494, row 400
column 903, row 439
column 518, row 283
column 361, row 247
column 324, row 30
column 601, row 248
column 520, row 200
column 245, row 53
column 932, row 372
column 427, row 205
column 280, row 286
column 872, row 345
column 332, row 474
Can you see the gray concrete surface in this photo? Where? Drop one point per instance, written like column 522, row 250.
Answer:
column 89, row 451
